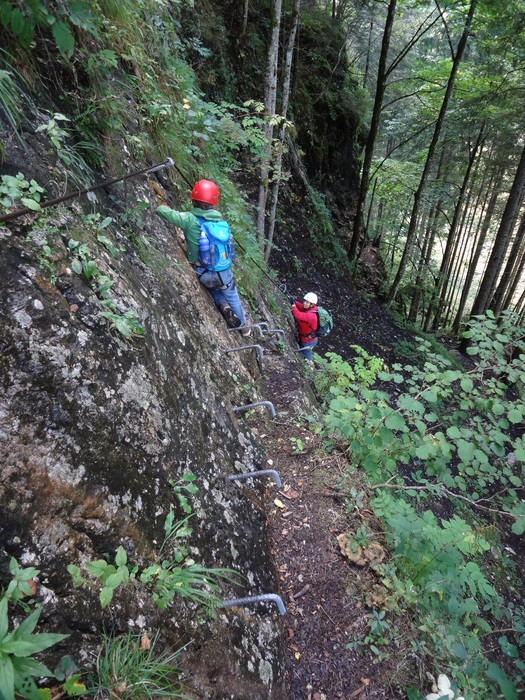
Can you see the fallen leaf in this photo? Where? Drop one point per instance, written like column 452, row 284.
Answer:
column 279, row 503
column 145, row 642
column 290, row 632
column 300, row 482
column 297, row 655
column 284, row 533
column 294, row 647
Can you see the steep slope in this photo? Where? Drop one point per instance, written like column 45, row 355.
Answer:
column 96, row 426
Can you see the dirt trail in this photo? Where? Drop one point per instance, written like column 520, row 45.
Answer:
column 322, row 592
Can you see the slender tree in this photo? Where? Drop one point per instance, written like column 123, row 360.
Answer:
column 277, row 166
column 430, row 154
column 510, row 271
column 382, row 76
column 270, row 101
column 501, row 242
column 451, row 245
column 485, row 220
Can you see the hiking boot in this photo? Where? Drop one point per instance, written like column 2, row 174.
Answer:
column 231, row 319
column 245, row 332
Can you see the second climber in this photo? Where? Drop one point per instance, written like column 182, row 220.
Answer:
column 307, row 321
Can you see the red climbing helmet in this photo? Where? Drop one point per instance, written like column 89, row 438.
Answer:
column 205, row 191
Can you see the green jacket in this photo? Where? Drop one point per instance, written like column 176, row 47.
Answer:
column 188, row 223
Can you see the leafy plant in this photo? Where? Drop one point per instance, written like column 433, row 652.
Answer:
column 22, row 23
column 299, row 445
column 10, row 103
column 452, row 427
column 185, row 483
column 18, row 668
column 178, row 575
column 14, row 189
column 19, row 586
column 334, row 371
column 111, row 576
column 172, row 574
column 129, row 668
column 126, row 323
column 70, row 155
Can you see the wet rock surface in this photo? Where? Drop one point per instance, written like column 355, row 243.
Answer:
column 95, row 425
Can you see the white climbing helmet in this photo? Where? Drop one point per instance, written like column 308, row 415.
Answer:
column 311, row 297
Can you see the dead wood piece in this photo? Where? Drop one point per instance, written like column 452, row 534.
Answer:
column 302, row 592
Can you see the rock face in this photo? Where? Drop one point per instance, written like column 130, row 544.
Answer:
column 94, row 425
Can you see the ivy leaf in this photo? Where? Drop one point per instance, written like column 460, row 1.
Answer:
column 73, row 687
column 453, row 432
column 395, row 421
column 18, row 21
column 63, row 38
column 77, row 266
column 507, row 648
column 96, row 568
column 121, row 557
column 467, row 384
column 30, row 204
column 106, row 594
column 422, row 452
column 465, row 451
column 429, row 396
column 515, row 415
column 518, row 528
column 5, row 14
column 507, row 687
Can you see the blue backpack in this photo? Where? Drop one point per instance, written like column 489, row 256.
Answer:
column 216, row 245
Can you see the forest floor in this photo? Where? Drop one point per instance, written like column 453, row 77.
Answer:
column 330, row 652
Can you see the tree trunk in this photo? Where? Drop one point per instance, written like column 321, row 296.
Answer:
column 451, row 246
column 448, row 271
column 520, row 264
column 270, row 100
column 475, row 257
column 508, row 276
column 428, row 246
column 430, row 155
column 457, row 274
column 244, row 18
column 374, row 127
column 370, row 32
column 286, row 99
column 483, row 298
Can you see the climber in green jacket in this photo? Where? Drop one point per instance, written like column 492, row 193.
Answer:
column 217, row 279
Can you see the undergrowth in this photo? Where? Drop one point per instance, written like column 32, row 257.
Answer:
column 442, row 457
